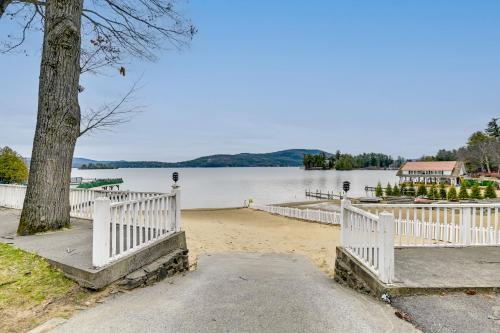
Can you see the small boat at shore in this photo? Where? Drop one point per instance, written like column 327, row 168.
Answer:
column 422, row 199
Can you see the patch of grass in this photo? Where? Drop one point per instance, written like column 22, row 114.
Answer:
column 31, row 291
column 27, row 279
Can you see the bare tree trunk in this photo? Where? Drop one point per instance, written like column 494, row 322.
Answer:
column 487, row 163
column 46, row 206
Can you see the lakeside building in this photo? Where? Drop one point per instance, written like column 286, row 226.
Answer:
column 435, row 172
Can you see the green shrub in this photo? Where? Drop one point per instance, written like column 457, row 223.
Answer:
column 452, row 194
column 476, row 192
column 395, row 191
column 490, row 192
column 432, row 193
column 463, row 194
column 13, row 169
column 442, row 192
column 378, row 191
column 404, row 189
column 411, row 190
column 388, row 190
column 422, row 190
column 471, row 182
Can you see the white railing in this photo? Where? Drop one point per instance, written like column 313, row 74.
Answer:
column 371, row 231
column 123, row 221
column 81, row 200
column 369, row 238
column 124, row 227
column 120, row 196
column 315, row 215
column 438, row 225
column 12, row 196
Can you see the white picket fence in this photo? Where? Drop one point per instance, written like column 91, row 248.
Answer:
column 369, row 238
column 315, row 215
column 121, row 228
column 123, row 221
column 12, row 196
column 81, row 200
column 371, row 231
column 441, row 225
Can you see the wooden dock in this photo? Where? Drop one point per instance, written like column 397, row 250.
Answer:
column 322, row 195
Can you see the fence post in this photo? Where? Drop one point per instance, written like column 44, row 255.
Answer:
column 343, row 223
column 176, row 212
column 466, row 225
column 386, row 247
column 101, row 232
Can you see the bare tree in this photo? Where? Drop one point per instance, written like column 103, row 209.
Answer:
column 481, row 153
column 494, row 152
column 110, row 115
column 80, row 37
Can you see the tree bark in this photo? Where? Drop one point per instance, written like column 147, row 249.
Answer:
column 46, row 205
column 3, row 6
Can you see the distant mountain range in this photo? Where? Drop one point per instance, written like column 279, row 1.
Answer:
column 284, row 158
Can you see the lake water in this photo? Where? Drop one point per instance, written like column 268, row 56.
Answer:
column 230, row 187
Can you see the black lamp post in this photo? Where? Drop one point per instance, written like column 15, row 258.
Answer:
column 346, row 186
column 175, row 178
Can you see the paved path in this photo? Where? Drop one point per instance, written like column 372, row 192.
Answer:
column 242, row 292
column 72, row 247
column 453, row 313
column 458, row 267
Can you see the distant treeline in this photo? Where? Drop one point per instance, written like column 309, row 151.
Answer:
column 341, row 161
column 284, row 158
column 92, row 166
column 481, row 152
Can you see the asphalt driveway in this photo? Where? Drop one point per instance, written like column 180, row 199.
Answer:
column 242, row 292
column 453, row 312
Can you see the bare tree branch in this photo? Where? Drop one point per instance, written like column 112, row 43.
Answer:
column 112, row 114
column 111, row 28
column 27, row 26
column 101, row 54
column 139, row 27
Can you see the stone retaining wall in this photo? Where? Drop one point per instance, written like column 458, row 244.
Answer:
column 350, row 272
column 166, row 266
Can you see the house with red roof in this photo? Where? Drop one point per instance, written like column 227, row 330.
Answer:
column 433, row 172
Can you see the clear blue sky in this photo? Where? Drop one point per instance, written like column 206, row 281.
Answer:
column 400, row 77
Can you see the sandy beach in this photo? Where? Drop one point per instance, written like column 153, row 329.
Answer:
column 246, row 230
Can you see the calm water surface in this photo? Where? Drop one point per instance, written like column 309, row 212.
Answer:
column 230, row 187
